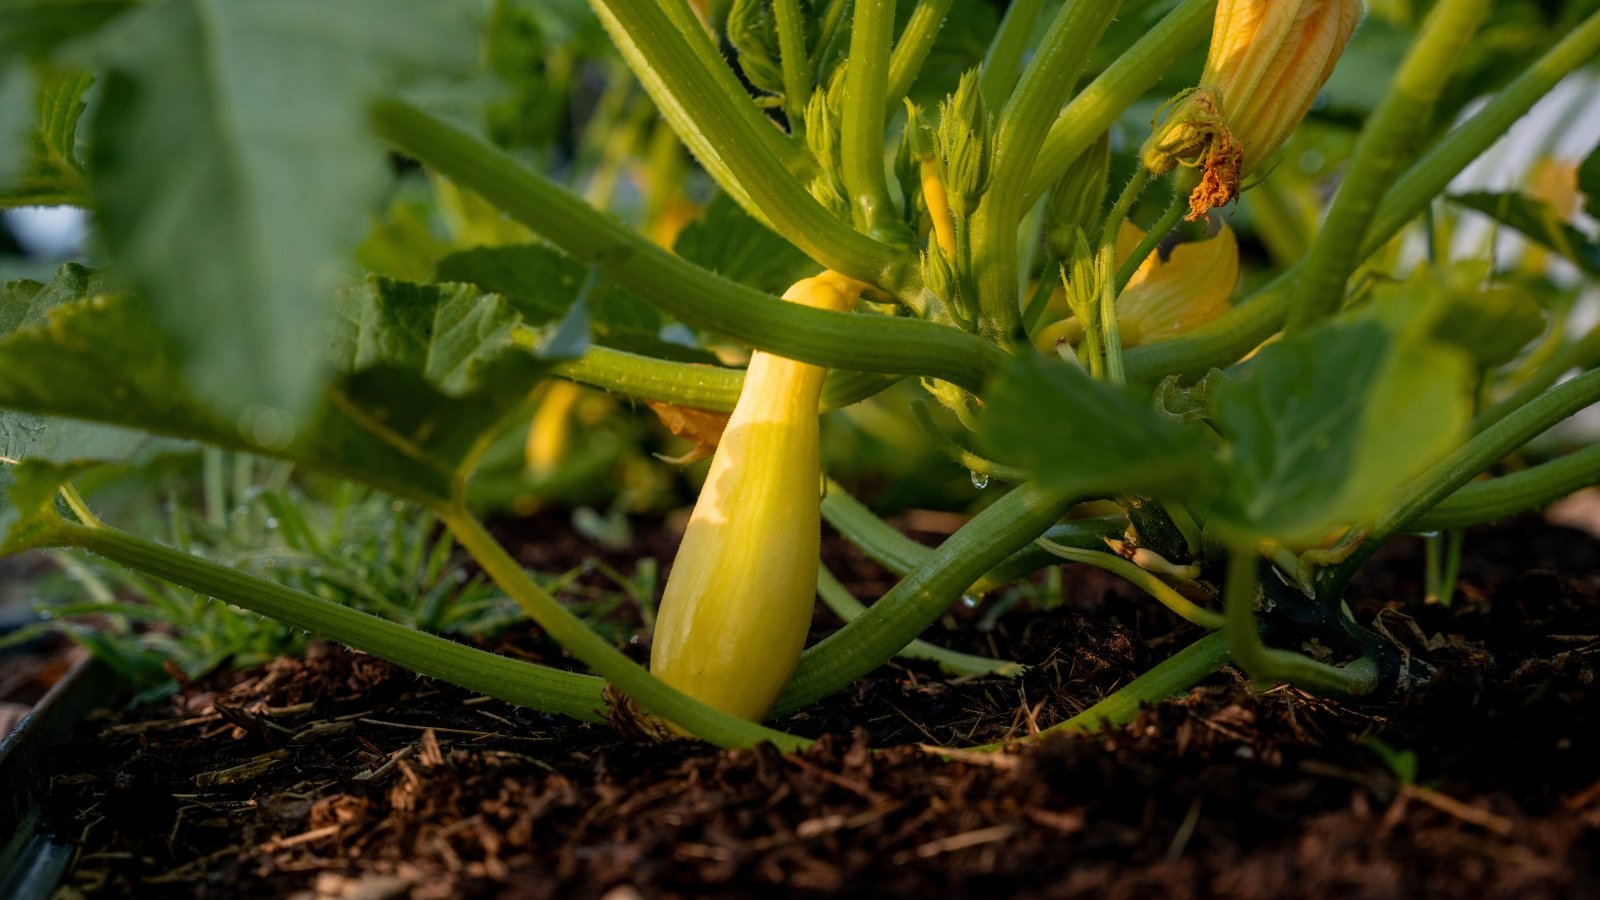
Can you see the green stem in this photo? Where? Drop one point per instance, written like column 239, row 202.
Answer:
column 678, row 77
column 1230, row 336
column 714, row 388
column 1153, row 238
column 1488, row 501
column 1047, row 82
column 1124, row 206
column 1120, row 86
column 654, row 695
column 521, row 683
column 797, row 72
column 1049, row 277
column 885, row 545
column 844, row 605
column 1440, row 575
column 911, row 50
column 1453, row 472
column 676, row 286
column 1171, row 677
column 826, row 35
column 1110, row 326
column 958, row 454
column 715, row 76
column 1582, row 353
column 1398, row 123
column 922, row 596
column 861, row 126
column 1003, row 63
column 1268, row 664
column 1145, row 581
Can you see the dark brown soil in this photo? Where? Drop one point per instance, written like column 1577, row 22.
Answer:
column 341, row 776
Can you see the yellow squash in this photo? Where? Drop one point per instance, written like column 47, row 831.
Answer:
column 738, row 601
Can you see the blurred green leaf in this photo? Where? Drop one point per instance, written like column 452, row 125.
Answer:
column 34, row 28
column 540, row 282
column 1079, row 434
column 1589, row 183
column 427, row 373
column 1456, row 304
column 1539, row 223
column 51, row 173
column 233, row 167
column 1321, row 428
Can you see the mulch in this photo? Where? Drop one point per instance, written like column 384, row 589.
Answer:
column 339, row 775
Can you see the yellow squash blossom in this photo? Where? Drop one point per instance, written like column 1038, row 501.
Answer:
column 1165, row 299
column 737, row 605
column 1268, row 60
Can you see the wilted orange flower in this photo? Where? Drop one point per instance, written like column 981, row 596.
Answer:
column 1268, row 60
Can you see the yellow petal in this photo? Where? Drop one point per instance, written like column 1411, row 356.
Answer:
column 1128, row 238
column 1555, row 182
column 1190, row 289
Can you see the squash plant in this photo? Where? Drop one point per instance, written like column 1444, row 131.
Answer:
column 1248, row 453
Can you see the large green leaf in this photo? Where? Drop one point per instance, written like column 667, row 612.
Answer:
column 51, row 173
column 1321, row 428
column 34, row 27
column 543, row 284
column 426, row 374
column 1458, row 304
column 1079, row 434
column 27, row 436
column 1540, row 224
column 232, row 166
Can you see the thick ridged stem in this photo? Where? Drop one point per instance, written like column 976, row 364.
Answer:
column 861, row 127
column 1398, row 123
column 911, row 50
column 1120, row 86
column 1048, row 81
column 1508, row 495
column 921, row 597
column 676, row 286
column 521, row 683
column 714, row 388
column 652, row 694
column 1003, row 63
column 678, row 76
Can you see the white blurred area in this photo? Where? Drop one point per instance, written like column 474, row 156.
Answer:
column 50, row 232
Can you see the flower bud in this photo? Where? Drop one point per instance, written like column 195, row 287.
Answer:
column 1268, row 60
column 916, row 147
column 753, row 32
column 966, row 146
column 1076, row 199
column 938, row 271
